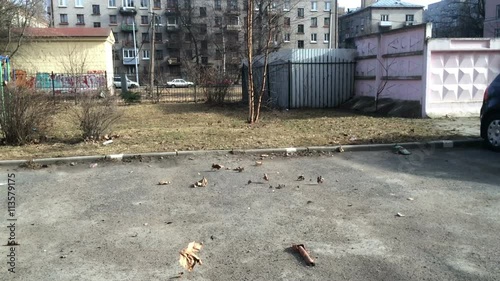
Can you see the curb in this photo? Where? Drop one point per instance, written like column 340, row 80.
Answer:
column 477, row 142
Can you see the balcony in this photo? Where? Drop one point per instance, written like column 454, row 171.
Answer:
column 385, row 24
column 128, row 43
column 172, row 27
column 171, row 11
column 129, row 27
column 233, row 11
column 128, row 11
column 173, row 61
column 233, row 27
column 130, row 61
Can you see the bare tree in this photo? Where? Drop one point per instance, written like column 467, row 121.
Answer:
column 15, row 17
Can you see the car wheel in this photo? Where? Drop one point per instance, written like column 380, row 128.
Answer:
column 492, row 139
column 173, row 86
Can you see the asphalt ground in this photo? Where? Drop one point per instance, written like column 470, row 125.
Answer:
column 113, row 222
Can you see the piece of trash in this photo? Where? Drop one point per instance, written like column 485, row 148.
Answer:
column 249, row 181
column 190, row 158
column 340, row 149
column 93, row 165
column 134, row 235
column 410, row 199
column 146, row 224
column 107, row 142
column 258, row 163
column 353, row 138
column 401, row 150
column 266, row 178
column 188, row 256
column 63, row 256
column 280, row 186
column 264, row 155
column 399, row 215
column 309, row 202
column 164, row 183
column 217, row 166
column 239, row 169
column 201, row 183
column 320, row 179
column 72, row 164
column 303, row 252
column 301, row 178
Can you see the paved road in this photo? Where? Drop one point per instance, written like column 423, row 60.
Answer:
column 113, row 222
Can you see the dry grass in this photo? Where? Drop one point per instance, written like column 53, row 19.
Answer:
column 169, row 127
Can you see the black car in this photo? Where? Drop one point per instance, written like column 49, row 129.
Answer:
column 490, row 115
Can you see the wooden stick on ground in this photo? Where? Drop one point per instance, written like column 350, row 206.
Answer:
column 303, row 252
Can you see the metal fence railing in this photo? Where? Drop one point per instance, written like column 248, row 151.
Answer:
column 196, row 94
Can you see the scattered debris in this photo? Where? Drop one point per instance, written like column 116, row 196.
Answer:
column 93, row 165
column 249, row 181
column 72, row 164
column 258, row 163
column 280, row 186
column 349, row 205
column 217, row 166
column 320, row 179
column 63, row 256
column 401, row 150
column 340, row 149
column 264, row 155
column 188, row 256
column 303, row 252
column 179, row 275
column 301, row 178
column 107, row 142
column 410, row 199
column 134, row 235
column 201, row 183
column 190, row 158
column 212, row 237
column 239, row 169
column 164, row 183
column 399, row 215
column 266, row 178
column 309, row 202
column 146, row 224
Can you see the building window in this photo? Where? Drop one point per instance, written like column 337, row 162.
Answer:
column 171, row 21
column 145, row 37
column 116, row 56
column 300, row 28
column 286, row 5
column 144, row 20
column 112, row 3
column 217, row 4
column 144, row 4
column 314, row 22
column 235, row 20
column 130, row 69
column 157, row 5
column 203, row 12
column 203, row 28
column 286, row 38
column 189, row 54
column 326, row 22
column 314, row 37
column 96, row 10
column 97, row 24
column 314, row 6
column 204, row 45
column 384, row 17
column 204, row 60
column 79, row 3
column 187, row 37
column 497, row 32
column 112, row 19
column 62, row 3
column 300, row 44
column 128, row 3
column 232, row 5
column 300, row 12
column 63, row 18
column 128, row 53
column 498, row 11
column 410, row 17
column 158, row 37
column 80, row 19
column 287, row 21
column 326, row 37
column 158, row 54
column 115, row 35
column 328, row 5
column 145, row 54
column 218, row 21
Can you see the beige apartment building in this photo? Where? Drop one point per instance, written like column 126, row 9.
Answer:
column 377, row 16
column 206, row 32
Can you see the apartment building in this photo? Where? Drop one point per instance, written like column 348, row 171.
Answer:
column 201, row 32
column 378, row 16
column 455, row 19
column 492, row 18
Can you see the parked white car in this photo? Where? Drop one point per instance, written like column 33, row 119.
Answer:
column 179, row 83
column 117, row 81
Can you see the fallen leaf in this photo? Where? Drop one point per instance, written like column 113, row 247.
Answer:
column 201, row 183
column 164, row 183
column 301, row 178
column 217, row 166
column 188, row 256
column 320, row 179
column 258, row 163
column 266, row 178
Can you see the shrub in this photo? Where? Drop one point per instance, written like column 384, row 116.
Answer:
column 25, row 114
column 96, row 116
column 131, row 97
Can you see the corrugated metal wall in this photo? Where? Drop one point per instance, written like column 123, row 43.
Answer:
column 303, row 78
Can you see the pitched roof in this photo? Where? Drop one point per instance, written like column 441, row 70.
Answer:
column 67, row 32
column 394, row 4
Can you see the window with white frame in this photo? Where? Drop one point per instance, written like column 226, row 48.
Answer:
column 314, row 22
column 326, row 22
column 300, row 12
column 145, row 54
column 63, row 18
column 171, row 21
column 80, row 19
column 384, row 17
column 112, row 3
column 62, row 3
column 128, row 3
column 410, row 17
column 286, row 38
column 314, row 37
column 314, row 5
column 144, row 3
column 78, row 3
column 286, row 5
column 129, row 54
column 326, row 37
column 328, row 5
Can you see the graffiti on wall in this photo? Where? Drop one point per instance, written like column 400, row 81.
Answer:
column 62, row 82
